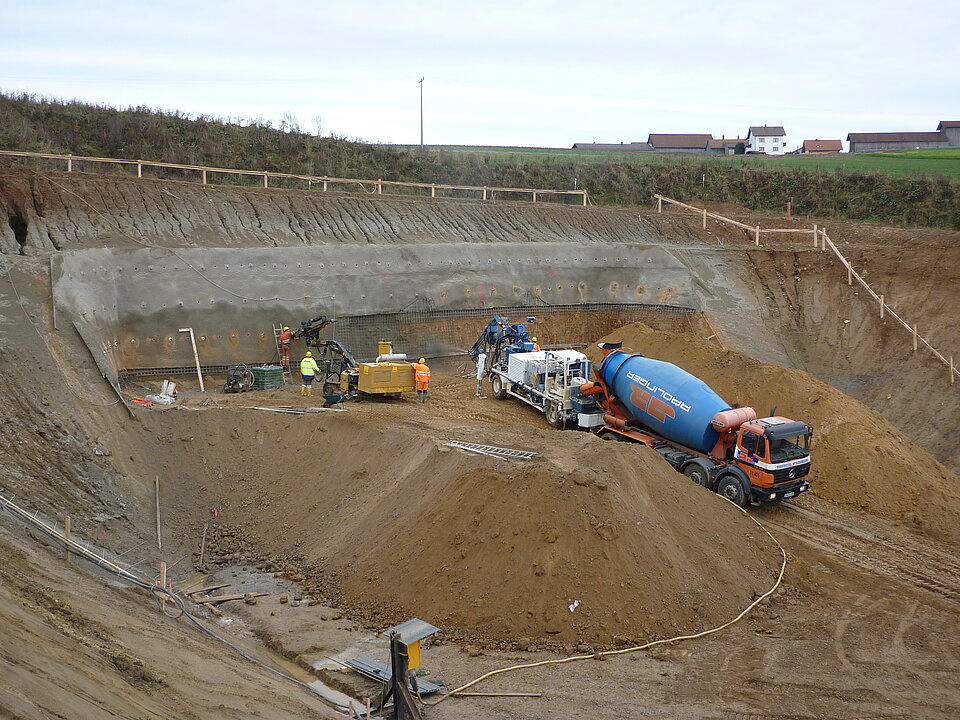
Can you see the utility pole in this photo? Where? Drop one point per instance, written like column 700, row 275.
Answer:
column 421, row 111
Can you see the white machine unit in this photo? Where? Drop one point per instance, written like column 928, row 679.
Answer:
column 549, row 381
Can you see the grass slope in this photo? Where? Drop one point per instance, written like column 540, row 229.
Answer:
column 816, row 186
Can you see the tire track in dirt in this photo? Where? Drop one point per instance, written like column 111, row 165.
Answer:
column 899, row 555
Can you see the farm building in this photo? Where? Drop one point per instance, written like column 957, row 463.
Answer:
column 727, row 146
column 865, row 142
column 821, row 146
column 769, row 139
column 952, row 130
column 680, row 143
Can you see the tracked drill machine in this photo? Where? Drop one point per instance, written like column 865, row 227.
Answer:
column 389, row 375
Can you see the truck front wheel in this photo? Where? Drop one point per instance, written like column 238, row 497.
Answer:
column 496, row 387
column 732, row 489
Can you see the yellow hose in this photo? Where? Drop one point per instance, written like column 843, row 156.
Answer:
column 606, row 653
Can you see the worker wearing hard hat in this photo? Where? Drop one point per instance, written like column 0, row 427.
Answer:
column 285, row 337
column 536, row 345
column 308, row 370
column 421, row 374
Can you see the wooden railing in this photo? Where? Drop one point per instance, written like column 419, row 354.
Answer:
column 822, row 241
column 484, row 193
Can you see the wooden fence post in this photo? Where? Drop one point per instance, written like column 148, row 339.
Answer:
column 379, row 186
column 534, row 195
column 952, row 379
column 659, row 203
column 484, row 192
column 816, row 240
column 203, row 176
column 66, row 534
column 881, row 307
column 69, row 163
column 823, row 238
column 914, row 338
column 849, row 274
column 324, row 185
column 433, row 191
column 584, row 198
column 756, row 236
column 704, row 218
column 139, row 169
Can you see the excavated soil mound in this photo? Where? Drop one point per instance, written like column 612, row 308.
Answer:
column 859, row 458
column 489, row 550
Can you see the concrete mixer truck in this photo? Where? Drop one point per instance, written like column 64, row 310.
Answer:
column 730, row 451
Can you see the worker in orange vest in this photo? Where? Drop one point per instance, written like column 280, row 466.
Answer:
column 421, row 374
column 285, row 337
column 536, row 345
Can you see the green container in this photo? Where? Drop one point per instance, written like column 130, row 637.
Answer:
column 267, row 377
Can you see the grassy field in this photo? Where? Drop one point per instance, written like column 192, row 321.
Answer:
column 899, row 163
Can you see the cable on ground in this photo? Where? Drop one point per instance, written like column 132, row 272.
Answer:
column 636, row 648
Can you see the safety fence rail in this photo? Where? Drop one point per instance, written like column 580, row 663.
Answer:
column 822, row 241
column 313, row 181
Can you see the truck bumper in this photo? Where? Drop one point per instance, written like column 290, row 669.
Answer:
column 778, row 493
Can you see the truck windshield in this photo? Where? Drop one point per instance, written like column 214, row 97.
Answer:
column 783, row 449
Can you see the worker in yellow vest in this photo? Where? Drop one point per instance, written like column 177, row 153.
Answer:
column 308, row 370
column 536, row 345
column 421, row 374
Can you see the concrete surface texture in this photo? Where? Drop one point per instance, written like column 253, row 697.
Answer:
column 136, row 301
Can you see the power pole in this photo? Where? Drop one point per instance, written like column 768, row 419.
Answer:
column 421, row 111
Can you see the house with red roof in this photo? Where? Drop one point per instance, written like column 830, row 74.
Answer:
column 821, row 146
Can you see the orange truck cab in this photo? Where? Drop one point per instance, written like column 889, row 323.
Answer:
column 774, row 454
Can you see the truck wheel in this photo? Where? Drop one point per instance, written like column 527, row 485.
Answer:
column 554, row 415
column 697, row 474
column 496, row 387
column 732, row 489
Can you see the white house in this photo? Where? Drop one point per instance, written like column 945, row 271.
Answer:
column 767, row 139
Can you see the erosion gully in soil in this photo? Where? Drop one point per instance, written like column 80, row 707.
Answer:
column 362, row 517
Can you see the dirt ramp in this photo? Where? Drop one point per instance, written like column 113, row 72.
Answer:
column 489, row 550
column 599, row 545
column 859, row 458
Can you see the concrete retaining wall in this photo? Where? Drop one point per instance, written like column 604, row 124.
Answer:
column 135, row 301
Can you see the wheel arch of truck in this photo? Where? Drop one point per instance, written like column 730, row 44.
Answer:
column 710, row 473
column 740, row 475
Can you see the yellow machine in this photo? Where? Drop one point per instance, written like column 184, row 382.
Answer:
column 389, row 375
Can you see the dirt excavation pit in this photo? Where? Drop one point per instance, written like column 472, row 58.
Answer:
column 590, row 542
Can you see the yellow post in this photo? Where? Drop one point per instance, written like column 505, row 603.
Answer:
column 413, row 655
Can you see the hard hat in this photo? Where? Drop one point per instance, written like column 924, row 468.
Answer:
column 285, row 327
column 421, row 361
column 533, row 339
column 309, row 354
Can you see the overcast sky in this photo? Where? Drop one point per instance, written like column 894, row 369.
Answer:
column 530, row 73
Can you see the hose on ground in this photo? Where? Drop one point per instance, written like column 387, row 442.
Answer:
column 645, row 646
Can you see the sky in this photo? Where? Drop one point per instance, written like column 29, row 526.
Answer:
column 520, row 73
